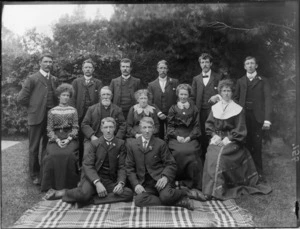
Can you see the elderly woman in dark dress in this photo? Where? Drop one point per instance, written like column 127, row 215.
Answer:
column 138, row 111
column 60, row 165
column 183, row 133
column 229, row 170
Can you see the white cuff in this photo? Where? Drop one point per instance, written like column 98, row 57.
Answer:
column 267, row 122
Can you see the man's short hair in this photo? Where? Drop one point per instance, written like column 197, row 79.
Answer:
column 46, row 54
column 205, row 56
column 125, row 60
column 105, row 88
column 148, row 120
column 108, row 119
column 249, row 58
column 184, row 86
column 64, row 87
column 90, row 61
column 162, row 62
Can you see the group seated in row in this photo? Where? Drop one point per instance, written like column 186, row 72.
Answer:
column 152, row 165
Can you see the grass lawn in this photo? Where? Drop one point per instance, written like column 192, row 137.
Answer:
column 274, row 210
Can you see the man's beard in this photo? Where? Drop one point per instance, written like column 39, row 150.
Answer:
column 106, row 102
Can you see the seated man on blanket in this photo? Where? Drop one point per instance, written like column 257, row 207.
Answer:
column 151, row 170
column 103, row 172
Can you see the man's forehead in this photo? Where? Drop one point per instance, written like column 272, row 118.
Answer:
column 105, row 91
column 145, row 124
column 108, row 124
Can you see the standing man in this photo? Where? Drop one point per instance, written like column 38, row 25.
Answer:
column 253, row 93
column 151, row 170
column 204, row 94
column 38, row 95
column 86, row 94
column 104, row 172
column 163, row 95
column 91, row 124
column 124, row 87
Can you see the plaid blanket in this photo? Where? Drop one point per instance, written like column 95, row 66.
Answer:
column 47, row 214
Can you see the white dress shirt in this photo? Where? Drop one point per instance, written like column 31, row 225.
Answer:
column 45, row 74
column 251, row 75
column 162, row 83
column 205, row 80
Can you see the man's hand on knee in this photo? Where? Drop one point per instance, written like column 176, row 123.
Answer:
column 139, row 189
column 101, row 190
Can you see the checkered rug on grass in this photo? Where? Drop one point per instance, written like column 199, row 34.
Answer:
column 206, row 214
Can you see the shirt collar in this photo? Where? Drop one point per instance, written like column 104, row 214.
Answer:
column 251, row 75
column 44, row 73
column 126, row 77
column 88, row 77
column 108, row 140
column 144, row 139
column 162, row 79
column 207, row 73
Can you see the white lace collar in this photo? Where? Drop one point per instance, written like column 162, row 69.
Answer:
column 147, row 110
column 181, row 105
column 225, row 112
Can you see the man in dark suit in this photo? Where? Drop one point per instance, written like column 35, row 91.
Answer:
column 86, row 94
column 91, row 124
column 253, row 93
column 124, row 87
column 38, row 95
column 151, row 170
column 205, row 94
column 163, row 95
column 103, row 172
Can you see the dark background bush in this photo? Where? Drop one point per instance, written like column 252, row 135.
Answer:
column 178, row 33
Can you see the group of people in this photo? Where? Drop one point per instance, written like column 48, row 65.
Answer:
column 165, row 145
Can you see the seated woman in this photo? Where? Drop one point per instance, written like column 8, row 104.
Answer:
column 183, row 133
column 60, row 164
column 138, row 111
column 229, row 170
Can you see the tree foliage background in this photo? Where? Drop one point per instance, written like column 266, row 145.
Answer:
column 179, row 33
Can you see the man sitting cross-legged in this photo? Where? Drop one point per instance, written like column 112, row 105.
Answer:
column 103, row 172
column 151, row 170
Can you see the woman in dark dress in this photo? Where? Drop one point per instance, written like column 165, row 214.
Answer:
column 229, row 170
column 60, row 165
column 138, row 111
column 183, row 133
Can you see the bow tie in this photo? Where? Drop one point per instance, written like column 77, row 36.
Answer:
column 204, row 76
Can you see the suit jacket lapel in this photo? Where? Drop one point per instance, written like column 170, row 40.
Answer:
column 42, row 79
column 211, row 79
column 156, row 83
column 201, row 79
column 255, row 81
column 140, row 144
column 150, row 145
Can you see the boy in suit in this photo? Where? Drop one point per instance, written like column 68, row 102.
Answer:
column 253, row 93
column 151, row 170
column 163, row 95
column 86, row 94
column 205, row 94
column 124, row 87
column 38, row 95
column 104, row 172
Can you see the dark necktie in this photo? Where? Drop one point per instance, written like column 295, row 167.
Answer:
column 145, row 144
column 204, row 76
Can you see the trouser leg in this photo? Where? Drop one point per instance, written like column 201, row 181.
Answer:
column 254, row 140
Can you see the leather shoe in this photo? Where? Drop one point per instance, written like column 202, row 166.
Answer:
column 185, row 202
column 196, row 195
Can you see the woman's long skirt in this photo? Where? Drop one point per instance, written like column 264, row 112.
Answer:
column 229, row 172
